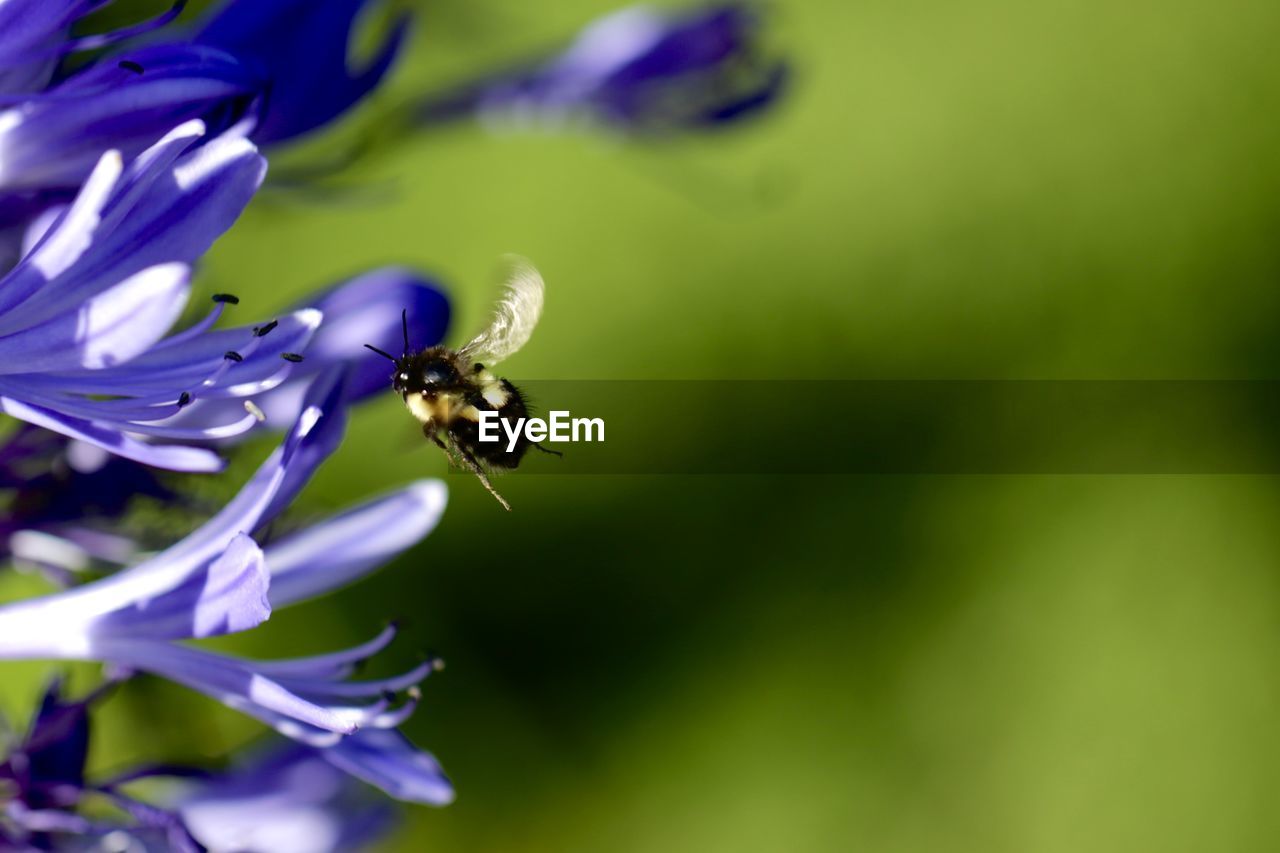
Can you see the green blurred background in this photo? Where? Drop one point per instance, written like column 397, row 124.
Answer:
column 986, row 189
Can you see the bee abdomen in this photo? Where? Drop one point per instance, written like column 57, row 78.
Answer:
column 466, row 430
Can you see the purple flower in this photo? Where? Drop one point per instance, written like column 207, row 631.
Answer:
column 44, row 774
column 67, row 496
column 300, row 47
column 117, row 173
column 636, row 71
column 280, row 797
column 51, row 140
column 284, row 798
column 62, row 506
column 84, row 313
column 35, row 34
column 364, row 309
column 219, row 580
column 278, row 68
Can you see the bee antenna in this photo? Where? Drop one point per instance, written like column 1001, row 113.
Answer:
column 383, row 353
column 404, row 327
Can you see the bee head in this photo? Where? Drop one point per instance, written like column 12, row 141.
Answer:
column 424, row 375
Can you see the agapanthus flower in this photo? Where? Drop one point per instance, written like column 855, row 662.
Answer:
column 368, row 308
column 67, row 500
column 115, row 178
column 51, row 140
column 63, row 511
column 635, row 71
column 276, row 797
column 83, row 316
column 220, row 580
column 35, row 35
column 46, row 787
column 284, row 798
column 278, row 70
column 300, row 49
column 118, row 170
column 84, row 313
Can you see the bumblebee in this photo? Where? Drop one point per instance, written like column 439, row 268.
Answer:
column 446, row 390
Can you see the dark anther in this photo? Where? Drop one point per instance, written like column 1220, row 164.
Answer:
column 130, row 65
column 183, row 399
column 227, row 298
column 261, row 331
column 291, row 356
column 233, row 355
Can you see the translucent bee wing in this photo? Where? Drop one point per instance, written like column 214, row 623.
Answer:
column 514, row 317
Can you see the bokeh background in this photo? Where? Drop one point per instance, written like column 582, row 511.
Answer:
column 988, row 189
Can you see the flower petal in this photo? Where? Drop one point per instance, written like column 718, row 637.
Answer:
column 107, row 329
column 366, row 310
column 331, row 665
column 301, row 47
column 636, row 70
column 315, row 435
column 334, row 552
column 52, row 140
column 70, row 236
column 229, row 680
column 386, row 759
column 285, row 798
column 228, row 595
column 160, row 212
column 29, row 30
column 199, row 364
column 59, row 625
column 172, row 457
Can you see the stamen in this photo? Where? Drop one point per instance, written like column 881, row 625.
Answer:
column 291, row 356
column 252, row 408
column 232, row 355
column 183, row 399
column 226, row 297
column 130, row 65
column 263, row 330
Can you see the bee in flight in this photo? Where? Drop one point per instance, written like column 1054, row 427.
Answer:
column 447, row 389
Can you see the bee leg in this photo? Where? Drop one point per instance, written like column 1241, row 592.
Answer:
column 449, row 452
column 474, row 466
column 546, row 450
column 455, row 456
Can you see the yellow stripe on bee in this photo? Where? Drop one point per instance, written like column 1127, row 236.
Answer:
column 495, row 394
column 437, row 411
